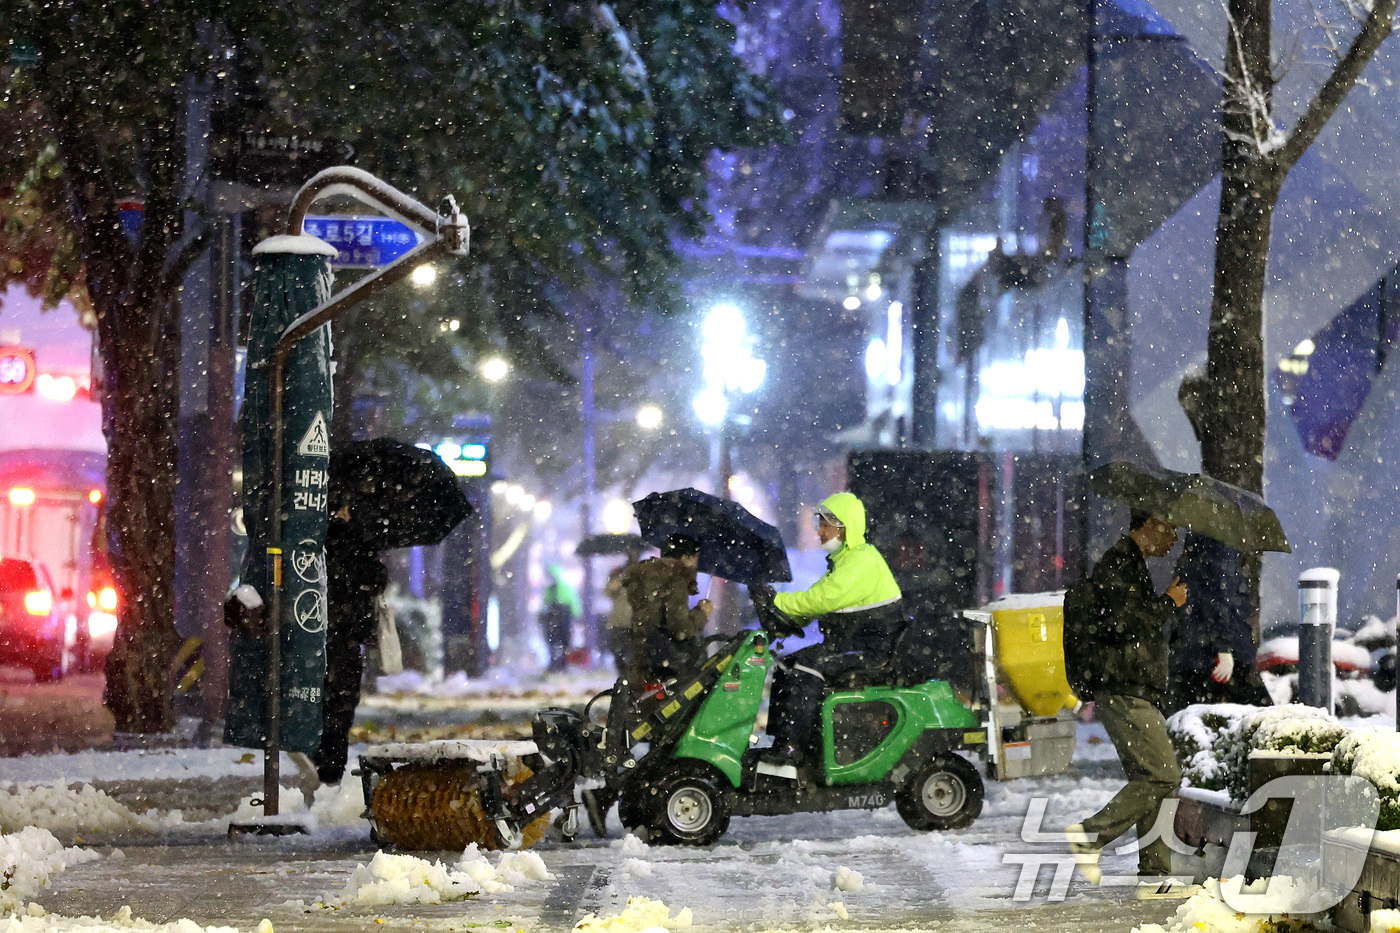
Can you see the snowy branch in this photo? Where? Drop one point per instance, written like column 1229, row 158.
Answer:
column 1377, row 27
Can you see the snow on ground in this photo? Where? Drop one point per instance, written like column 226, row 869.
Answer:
column 28, row 859
column 1221, row 906
column 640, row 914
column 143, row 765
column 406, row 879
column 37, row 920
column 57, row 807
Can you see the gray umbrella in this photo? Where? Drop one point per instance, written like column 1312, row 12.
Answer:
column 1194, row 501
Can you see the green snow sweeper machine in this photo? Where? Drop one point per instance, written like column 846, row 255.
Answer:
column 682, row 760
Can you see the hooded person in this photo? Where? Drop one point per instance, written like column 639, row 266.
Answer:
column 858, row 603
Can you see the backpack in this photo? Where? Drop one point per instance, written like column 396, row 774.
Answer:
column 1081, row 611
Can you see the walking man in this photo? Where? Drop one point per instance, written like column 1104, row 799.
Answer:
column 1116, row 655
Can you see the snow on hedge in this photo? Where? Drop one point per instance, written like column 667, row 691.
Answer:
column 1213, row 741
column 28, row 859
column 60, row 808
column 1376, row 757
column 407, row 879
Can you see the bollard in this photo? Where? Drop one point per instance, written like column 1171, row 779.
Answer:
column 1317, row 608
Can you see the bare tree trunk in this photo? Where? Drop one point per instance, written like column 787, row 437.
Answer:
column 138, row 339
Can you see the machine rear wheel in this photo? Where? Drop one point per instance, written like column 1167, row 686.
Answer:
column 946, row 793
column 688, row 807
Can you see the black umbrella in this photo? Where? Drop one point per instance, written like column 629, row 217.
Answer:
column 1201, row 503
column 734, row 543
column 602, row 545
column 399, row 495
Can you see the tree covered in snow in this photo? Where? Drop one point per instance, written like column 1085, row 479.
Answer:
column 576, row 137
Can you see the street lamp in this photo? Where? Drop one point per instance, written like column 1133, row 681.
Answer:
column 495, row 369
column 730, row 369
column 649, row 417
column 424, row 276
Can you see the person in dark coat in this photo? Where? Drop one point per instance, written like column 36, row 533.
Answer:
column 666, row 631
column 355, row 576
column 1212, row 641
column 1123, row 665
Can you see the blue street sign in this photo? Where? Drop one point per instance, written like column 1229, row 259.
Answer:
column 363, row 242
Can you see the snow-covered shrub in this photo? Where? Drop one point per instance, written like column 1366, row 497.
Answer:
column 1293, row 730
column 1202, row 736
column 1213, row 741
column 1376, row 757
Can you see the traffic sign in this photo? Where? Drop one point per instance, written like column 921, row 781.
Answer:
column 17, row 370
column 362, row 242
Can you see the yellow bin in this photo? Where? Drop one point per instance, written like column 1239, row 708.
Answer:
column 1030, row 649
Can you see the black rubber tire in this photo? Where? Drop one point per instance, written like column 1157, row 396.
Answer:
column 689, row 806
column 946, row 793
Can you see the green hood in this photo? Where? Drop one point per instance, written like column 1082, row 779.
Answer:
column 851, row 511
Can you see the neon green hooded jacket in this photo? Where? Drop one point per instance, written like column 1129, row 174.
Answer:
column 858, row 579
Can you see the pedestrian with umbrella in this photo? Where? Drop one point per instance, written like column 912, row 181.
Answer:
column 697, row 532
column 1116, row 651
column 383, row 494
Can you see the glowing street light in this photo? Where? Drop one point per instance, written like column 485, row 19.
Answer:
column 424, row 276
column 495, row 369
column 543, row 510
column 649, row 417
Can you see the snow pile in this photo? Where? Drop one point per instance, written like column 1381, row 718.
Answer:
column 641, row 913
column 60, row 808
column 339, row 806
column 27, row 860
column 406, row 879
column 846, row 879
column 333, row 806
column 1376, row 757
column 38, row 920
column 1276, row 905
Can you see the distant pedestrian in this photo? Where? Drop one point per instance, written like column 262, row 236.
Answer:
column 561, row 607
column 1116, row 655
column 1212, row 638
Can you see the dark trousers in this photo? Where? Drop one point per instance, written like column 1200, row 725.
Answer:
column 345, row 668
column 799, row 684
column 1139, row 735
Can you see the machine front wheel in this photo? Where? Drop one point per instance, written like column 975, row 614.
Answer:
column 688, row 807
column 946, row 793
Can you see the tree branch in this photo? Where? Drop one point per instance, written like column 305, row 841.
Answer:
column 182, row 256
column 1377, row 27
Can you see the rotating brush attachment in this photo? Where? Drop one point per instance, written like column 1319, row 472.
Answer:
column 425, row 807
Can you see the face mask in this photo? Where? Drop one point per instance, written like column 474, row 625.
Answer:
column 832, row 546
